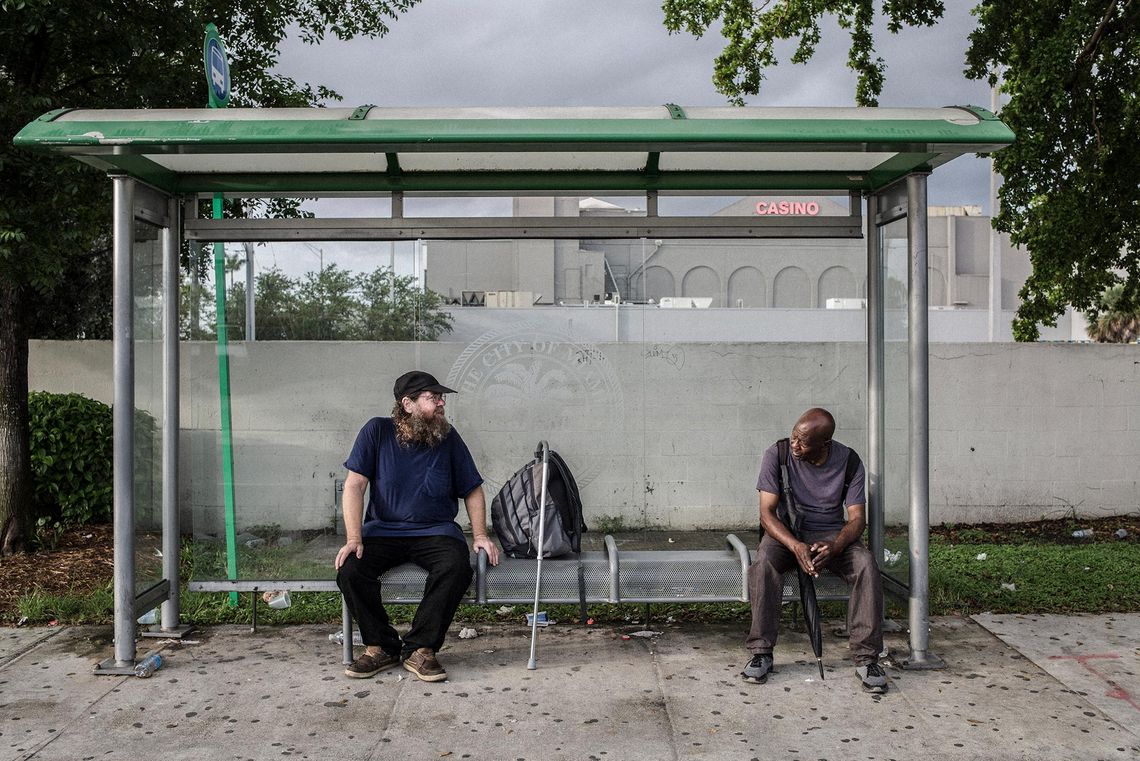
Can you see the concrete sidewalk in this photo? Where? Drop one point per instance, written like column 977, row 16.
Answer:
column 1014, row 687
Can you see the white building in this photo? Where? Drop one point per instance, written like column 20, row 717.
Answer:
column 734, row 278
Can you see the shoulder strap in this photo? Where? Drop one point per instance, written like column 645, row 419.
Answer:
column 782, row 462
column 786, row 508
column 853, row 463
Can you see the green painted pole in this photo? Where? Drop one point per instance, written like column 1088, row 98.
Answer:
column 217, row 77
column 224, row 394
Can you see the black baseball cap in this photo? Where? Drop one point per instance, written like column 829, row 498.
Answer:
column 413, row 383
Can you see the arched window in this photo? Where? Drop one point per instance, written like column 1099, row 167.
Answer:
column 791, row 289
column 659, row 283
column 746, row 288
column 936, row 288
column 836, row 283
column 702, row 282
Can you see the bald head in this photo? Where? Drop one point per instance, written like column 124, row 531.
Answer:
column 811, row 436
column 817, row 420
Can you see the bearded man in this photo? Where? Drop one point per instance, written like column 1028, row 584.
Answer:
column 415, row 467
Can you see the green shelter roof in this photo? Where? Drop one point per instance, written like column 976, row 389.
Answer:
column 517, row 150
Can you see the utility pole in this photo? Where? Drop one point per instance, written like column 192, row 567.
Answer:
column 250, row 325
column 995, row 318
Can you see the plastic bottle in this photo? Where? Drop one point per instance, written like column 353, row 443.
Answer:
column 338, row 637
column 148, row 665
column 1083, row 533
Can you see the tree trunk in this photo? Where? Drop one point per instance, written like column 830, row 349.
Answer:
column 15, row 468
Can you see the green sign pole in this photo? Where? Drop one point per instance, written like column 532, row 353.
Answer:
column 218, row 86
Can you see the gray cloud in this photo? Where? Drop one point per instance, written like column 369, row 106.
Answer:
column 600, row 52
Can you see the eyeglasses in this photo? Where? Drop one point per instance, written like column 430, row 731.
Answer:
column 434, row 398
column 805, row 443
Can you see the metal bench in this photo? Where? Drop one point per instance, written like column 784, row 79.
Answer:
column 610, row 576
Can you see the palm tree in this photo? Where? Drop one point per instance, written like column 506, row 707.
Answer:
column 1110, row 324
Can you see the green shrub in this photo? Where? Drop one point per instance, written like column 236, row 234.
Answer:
column 46, row 534
column 71, row 456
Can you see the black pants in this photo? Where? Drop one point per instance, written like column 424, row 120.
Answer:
column 448, row 564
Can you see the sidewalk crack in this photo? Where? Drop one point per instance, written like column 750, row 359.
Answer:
column 660, row 681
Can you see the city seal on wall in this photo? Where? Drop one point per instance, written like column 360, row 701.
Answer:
column 522, row 384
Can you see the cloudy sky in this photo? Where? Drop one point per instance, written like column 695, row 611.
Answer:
column 618, row 53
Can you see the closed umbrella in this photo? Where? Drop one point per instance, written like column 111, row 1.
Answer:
column 808, row 600
column 811, row 615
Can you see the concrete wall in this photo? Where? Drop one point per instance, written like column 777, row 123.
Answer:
column 660, row 434
column 637, row 322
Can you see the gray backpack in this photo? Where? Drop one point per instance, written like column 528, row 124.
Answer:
column 514, row 511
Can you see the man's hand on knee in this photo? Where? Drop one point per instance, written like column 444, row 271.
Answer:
column 351, row 547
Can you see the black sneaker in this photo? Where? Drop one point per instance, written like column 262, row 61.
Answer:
column 873, row 678
column 758, row 668
column 369, row 664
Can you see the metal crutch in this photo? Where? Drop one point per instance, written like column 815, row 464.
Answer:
column 531, row 664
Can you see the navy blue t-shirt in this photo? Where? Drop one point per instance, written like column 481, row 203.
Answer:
column 412, row 489
column 818, row 488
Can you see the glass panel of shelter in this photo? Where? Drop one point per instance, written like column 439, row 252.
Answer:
column 147, row 331
column 894, row 482
column 662, row 411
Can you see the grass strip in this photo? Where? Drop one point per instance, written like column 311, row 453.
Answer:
column 964, row 579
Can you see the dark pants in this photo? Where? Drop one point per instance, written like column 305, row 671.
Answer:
column 448, row 564
column 855, row 565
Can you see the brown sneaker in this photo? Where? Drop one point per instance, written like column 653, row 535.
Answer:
column 368, row 665
column 423, row 664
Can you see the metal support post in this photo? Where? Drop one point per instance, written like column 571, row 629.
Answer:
column 250, row 311
column 919, row 408
column 171, row 608
column 876, row 375
column 995, row 274
column 123, row 374
column 346, row 631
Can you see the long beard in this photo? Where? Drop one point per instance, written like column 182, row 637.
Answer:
column 429, row 432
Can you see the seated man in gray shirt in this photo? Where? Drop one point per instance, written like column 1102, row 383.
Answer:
column 817, row 470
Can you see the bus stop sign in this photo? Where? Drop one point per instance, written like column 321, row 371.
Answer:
column 217, row 68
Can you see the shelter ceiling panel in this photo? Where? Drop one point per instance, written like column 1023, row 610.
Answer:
column 382, row 113
column 523, row 161
column 272, row 163
column 764, row 161
column 952, row 115
column 205, row 115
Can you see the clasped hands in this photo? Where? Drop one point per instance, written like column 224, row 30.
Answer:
column 814, row 556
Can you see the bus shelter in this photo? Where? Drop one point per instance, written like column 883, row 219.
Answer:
column 164, row 163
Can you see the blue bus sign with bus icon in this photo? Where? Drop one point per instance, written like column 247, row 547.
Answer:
column 217, row 68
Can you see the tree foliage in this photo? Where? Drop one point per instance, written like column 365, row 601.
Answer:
column 751, row 34
column 330, row 305
column 72, row 453
column 55, row 220
column 1071, row 72
column 1111, row 323
column 1071, row 193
